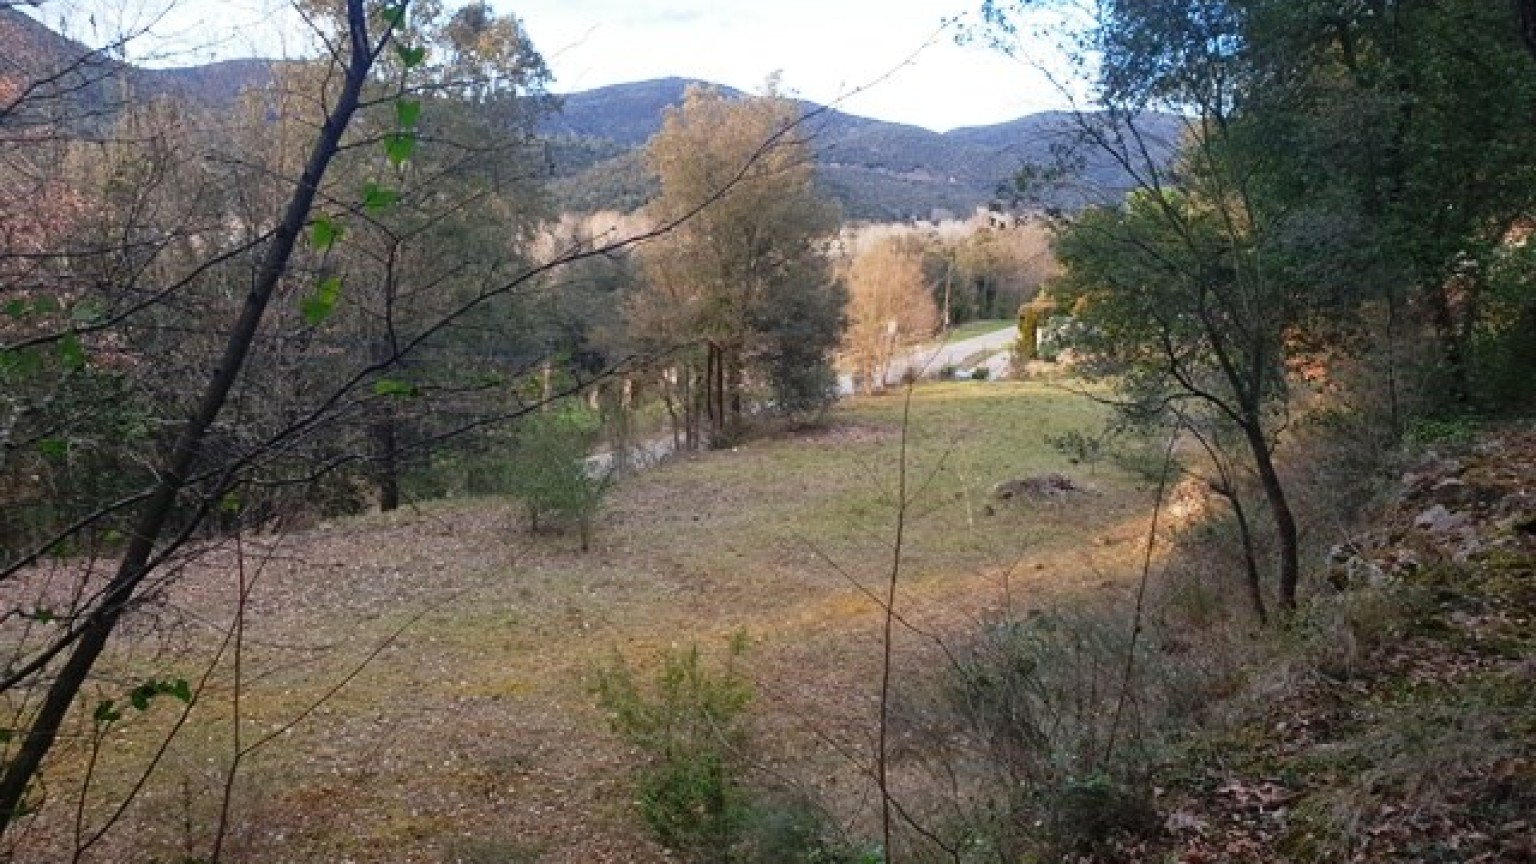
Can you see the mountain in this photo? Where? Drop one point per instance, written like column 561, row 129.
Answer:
column 84, row 87
column 877, row 170
column 62, row 79
column 214, row 86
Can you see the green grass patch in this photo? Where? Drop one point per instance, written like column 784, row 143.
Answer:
column 971, row 329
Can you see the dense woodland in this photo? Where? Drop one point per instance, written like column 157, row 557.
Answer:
column 357, row 285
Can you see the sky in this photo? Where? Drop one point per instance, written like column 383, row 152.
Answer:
column 895, row 60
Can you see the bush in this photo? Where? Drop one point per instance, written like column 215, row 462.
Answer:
column 688, row 723
column 550, row 472
column 1060, row 333
column 1065, row 747
column 782, row 825
column 691, row 789
column 1085, row 816
column 1025, row 347
column 1425, row 433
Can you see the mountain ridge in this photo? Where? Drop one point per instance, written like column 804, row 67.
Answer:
column 877, row 170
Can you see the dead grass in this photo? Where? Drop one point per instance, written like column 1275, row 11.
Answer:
column 471, row 721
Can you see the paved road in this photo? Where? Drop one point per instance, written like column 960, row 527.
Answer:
column 929, row 359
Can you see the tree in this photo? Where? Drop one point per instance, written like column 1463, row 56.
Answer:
column 1179, row 308
column 1179, row 286
column 462, row 211
column 1403, row 157
column 87, row 636
column 890, row 306
column 746, row 279
column 216, row 313
column 1341, row 164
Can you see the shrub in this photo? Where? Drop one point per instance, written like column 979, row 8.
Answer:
column 1084, row 816
column 688, row 723
column 1024, row 348
column 1067, row 740
column 550, row 472
column 1441, row 431
column 1060, row 333
column 783, row 825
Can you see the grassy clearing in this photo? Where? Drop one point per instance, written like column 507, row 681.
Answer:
column 474, row 721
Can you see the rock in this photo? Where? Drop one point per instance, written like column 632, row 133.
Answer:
column 1434, row 470
column 1471, row 547
column 1350, row 566
column 1039, row 486
column 1439, row 520
column 1451, row 492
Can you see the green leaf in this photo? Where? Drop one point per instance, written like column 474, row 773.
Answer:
column 314, row 310
column 106, row 712
column 16, row 308
column 318, row 306
column 410, row 57
column 230, row 503
column 407, row 112
column 323, row 233
column 53, row 448
column 47, row 304
column 25, row 362
column 399, row 147
column 181, row 691
column 140, row 697
column 376, row 197
column 393, row 387
column 40, row 614
column 330, row 289
column 394, row 15
column 88, row 312
column 71, row 353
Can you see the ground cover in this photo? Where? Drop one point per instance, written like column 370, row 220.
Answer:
column 469, row 731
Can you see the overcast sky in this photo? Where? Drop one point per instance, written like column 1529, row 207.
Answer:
column 894, row 60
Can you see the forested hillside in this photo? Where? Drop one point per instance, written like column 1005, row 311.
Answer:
column 878, row 171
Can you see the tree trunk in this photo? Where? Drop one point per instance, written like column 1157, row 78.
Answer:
column 1444, row 319
column 1250, row 558
column 172, row 478
column 711, row 391
column 733, row 386
column 386, row 459
column 1280, row 512
column 1526, row 9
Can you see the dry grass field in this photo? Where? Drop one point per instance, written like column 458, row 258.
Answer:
column 417, row 686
